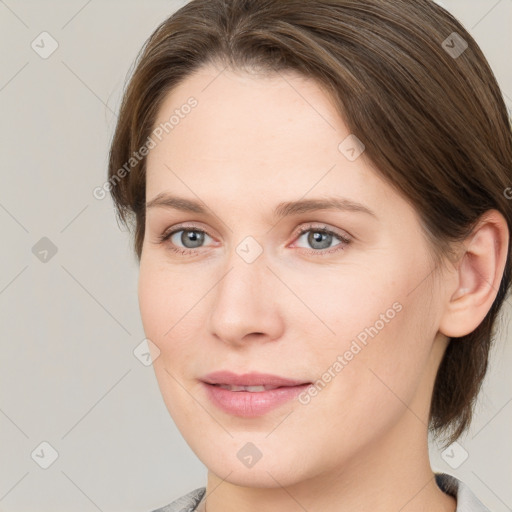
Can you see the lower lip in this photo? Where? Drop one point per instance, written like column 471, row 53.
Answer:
column 250, row 405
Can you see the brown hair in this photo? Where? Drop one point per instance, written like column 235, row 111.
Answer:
column 433, row 122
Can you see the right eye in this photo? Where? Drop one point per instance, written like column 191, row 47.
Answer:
column 190, row 237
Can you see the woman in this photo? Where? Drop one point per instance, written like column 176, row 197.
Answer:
column 318, row 196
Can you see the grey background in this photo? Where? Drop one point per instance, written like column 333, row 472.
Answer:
column 69, row 325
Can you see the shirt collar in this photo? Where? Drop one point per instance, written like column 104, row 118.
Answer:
column 466, row 500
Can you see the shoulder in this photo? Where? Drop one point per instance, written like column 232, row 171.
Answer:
column 466, row 500
column 186, row 503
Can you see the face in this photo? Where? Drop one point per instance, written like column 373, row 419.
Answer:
column 337, row 297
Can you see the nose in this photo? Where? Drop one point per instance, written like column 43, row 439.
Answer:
column 246, row 304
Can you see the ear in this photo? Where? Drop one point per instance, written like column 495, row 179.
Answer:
column 478, row 276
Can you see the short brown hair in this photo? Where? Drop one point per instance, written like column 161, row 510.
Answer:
column 433, row 122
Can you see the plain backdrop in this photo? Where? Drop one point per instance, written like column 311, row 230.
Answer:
column 73, row 395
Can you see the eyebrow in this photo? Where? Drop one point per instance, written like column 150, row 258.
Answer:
column 283, row 209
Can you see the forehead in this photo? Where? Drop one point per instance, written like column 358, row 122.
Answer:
column 237, row 109
column 245, row 120
column 276, row 136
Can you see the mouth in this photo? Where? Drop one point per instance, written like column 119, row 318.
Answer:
column 252, row 394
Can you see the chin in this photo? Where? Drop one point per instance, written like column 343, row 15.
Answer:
column 273, row 465
column 262, row 477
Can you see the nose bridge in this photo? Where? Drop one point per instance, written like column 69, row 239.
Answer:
column 242, row 302
column 246, row 274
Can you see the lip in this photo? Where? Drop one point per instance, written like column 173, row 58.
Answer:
column 250, row 404
column 250, row 379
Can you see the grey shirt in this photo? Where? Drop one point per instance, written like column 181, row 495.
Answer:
column 466, row 500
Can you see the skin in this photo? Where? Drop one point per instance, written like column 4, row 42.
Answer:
column 252, row 142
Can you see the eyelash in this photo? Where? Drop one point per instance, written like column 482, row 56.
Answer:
column 164, row 237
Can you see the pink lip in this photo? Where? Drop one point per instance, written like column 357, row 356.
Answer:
column 249, row 379
column 250, row 404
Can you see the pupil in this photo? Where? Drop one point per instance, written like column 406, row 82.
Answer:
column 316, row 237
column 192, row 236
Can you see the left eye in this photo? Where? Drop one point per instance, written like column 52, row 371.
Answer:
column 321, row 238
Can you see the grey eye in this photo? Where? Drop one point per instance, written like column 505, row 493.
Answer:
column 190, row 238
column 318, row 239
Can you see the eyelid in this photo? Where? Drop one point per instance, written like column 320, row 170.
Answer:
column 321, row 226
column 190, row 226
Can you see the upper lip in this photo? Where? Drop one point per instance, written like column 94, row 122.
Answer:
column 250, row 379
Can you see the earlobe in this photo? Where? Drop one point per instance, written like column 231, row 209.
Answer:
column 479, row 273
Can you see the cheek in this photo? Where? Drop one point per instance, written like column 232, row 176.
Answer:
column 150, row 302
column 170, row 308
column 158, row 313
column 347, row 303
column 375, row 335
column 163, row 307
column 163, row 298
